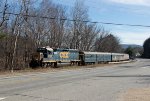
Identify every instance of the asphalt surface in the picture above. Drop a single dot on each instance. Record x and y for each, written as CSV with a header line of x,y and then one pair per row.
x,y
87,84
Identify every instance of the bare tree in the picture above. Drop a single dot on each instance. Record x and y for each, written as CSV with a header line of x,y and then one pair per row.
x,y
107,42
88,37
79,14
4,9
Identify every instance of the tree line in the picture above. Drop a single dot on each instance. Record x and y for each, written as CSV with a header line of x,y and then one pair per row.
x,y
26,25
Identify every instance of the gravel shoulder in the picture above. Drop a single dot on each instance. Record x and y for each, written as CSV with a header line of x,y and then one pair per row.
x,y
136,94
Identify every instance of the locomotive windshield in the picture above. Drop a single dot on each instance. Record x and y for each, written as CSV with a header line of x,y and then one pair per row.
x,y
47,52
43,50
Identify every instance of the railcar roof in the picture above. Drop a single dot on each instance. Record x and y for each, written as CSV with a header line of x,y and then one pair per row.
x,y
119,54
103,53
96,52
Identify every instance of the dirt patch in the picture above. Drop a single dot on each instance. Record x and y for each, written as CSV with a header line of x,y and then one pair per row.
x,y
137,94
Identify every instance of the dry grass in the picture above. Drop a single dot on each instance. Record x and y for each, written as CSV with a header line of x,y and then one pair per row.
x,y
50,69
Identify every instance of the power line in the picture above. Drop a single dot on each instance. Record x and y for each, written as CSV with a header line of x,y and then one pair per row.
x,y
105,23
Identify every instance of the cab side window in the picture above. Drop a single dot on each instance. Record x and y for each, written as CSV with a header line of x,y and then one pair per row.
x,y
49,52
45,54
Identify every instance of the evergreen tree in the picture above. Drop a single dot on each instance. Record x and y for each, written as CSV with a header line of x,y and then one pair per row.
x,y
146,48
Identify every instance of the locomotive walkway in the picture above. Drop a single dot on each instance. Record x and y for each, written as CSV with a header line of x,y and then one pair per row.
x,y
122,82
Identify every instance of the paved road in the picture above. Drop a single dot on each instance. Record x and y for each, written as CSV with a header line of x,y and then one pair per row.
x,y
107,83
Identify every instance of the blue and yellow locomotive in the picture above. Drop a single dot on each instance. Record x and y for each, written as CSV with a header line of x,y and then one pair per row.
x,y
51,56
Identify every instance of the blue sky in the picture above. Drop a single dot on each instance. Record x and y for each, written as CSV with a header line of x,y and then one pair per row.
x,y
120,11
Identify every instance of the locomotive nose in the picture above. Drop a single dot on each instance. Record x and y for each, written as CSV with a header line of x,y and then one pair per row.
x,y
36,56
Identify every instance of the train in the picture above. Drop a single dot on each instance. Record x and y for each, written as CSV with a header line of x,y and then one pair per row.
x,y
46,56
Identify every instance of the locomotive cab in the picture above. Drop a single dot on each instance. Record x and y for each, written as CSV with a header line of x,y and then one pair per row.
x,y
40,55
47,52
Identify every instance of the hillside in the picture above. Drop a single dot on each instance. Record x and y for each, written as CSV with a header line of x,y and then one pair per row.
x,y
130,45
